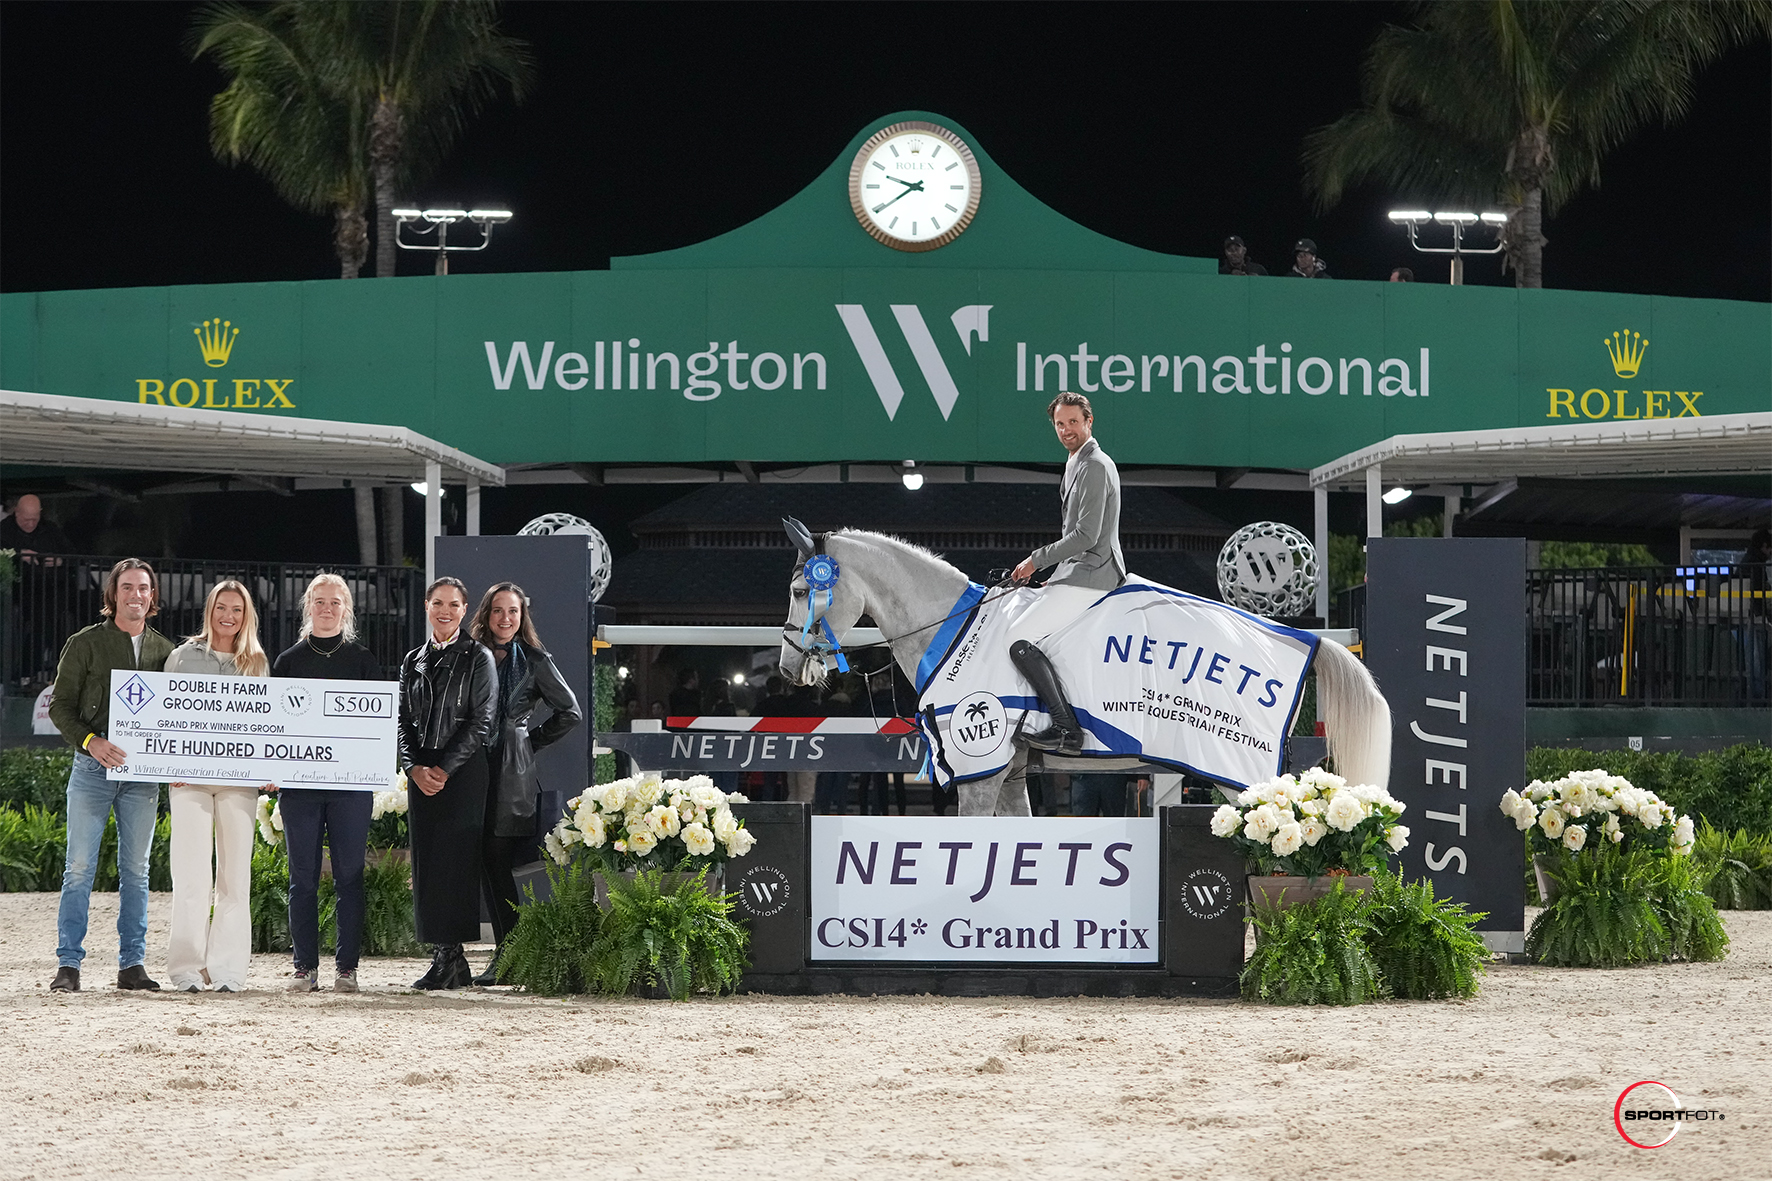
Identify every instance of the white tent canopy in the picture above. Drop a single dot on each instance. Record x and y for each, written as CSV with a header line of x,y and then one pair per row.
x,y
57,431
1714,445
1721,444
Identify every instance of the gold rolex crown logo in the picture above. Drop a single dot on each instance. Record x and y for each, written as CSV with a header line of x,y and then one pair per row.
x,y
216,339
1626,350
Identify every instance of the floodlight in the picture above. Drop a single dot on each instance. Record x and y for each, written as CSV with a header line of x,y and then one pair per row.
x,y
738,678
408,214
622,672
913,480
1397,495
483,216
1456,219
445,215
1413,217
1494,219
422,488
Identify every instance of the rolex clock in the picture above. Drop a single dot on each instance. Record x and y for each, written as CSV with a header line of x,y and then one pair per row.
x,y
914,186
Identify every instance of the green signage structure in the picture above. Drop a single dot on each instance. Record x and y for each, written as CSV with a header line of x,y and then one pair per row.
x,y
824,332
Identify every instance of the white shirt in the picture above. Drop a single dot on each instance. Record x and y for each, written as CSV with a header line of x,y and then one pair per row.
x,y
135,642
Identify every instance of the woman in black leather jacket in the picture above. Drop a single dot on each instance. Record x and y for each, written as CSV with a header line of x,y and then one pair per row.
x,y
448,702
527,678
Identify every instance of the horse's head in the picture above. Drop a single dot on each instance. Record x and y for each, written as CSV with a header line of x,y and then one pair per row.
x,y
820,597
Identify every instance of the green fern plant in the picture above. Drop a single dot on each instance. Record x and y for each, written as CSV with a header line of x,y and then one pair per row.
x,y
387,907
1425,947
549,951
270,898
1736,868
1314,954
33,843
1604,916
680,941
1694,931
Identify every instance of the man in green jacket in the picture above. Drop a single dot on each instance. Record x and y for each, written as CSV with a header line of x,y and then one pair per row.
x,y
80,709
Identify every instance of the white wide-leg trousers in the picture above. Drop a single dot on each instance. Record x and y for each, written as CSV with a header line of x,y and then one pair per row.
x,y
1056,606
211,913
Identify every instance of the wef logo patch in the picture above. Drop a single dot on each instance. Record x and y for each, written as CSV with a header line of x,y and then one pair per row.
x,y
135,694
979,724
763,891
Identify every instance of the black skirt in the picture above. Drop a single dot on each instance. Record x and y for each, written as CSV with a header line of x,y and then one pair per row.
x,y
446,837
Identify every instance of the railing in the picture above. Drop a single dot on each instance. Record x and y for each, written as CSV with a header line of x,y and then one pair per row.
x,y
50,598
1674,636
1648,636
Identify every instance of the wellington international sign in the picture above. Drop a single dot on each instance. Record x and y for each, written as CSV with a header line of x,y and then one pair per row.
x,y
800,337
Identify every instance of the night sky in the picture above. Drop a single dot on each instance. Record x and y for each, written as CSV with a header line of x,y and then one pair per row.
x,y
106,177
1198,110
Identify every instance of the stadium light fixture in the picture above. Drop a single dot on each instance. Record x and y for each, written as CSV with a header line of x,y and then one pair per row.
x,y
1397,495
1457,221
425,222
913,480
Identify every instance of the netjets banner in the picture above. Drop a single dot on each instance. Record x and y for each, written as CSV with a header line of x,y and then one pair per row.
x,y
254,730
981,890
1151,672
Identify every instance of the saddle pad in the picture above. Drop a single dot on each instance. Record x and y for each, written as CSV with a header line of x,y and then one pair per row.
x,y
1152,672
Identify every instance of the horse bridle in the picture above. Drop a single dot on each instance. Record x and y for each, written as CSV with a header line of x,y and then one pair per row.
x,y
823,644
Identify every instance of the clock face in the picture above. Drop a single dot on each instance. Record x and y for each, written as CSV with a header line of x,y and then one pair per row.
x,y
914,186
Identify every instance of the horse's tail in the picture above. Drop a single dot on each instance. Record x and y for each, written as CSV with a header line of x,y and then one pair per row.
x,y
1355,716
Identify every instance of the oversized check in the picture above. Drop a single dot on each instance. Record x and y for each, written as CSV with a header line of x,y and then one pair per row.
x,y
254,730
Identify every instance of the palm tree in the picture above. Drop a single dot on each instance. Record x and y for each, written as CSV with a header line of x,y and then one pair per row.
x,y
1518,101
279,115
419,68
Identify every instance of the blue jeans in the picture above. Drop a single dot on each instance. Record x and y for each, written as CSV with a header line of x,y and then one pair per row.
x,y
91,800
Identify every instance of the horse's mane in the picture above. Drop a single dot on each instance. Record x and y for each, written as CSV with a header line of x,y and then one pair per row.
x,y
899,544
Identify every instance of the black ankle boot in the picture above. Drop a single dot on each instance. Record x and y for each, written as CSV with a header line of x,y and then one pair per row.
x,y
490,975
456,973
1064,736
433,977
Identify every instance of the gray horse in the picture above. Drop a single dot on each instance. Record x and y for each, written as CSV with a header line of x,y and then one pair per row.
x,y
908,591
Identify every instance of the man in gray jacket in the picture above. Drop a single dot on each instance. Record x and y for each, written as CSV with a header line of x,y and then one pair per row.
x,y
1089,565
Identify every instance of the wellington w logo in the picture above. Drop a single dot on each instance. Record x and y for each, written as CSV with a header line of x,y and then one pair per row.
x,y
1206,894
763,891
973,320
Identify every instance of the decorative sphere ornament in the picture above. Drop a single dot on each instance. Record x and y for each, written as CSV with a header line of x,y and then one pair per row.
x,y
1269,569
567,525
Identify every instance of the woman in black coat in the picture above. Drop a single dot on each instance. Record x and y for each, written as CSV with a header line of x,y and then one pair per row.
x,y
527,678
448,691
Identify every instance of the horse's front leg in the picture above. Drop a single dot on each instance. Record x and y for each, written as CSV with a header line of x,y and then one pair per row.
x,y
979,798
1012,790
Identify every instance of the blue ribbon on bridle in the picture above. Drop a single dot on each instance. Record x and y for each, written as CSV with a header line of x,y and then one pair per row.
x,y
821,573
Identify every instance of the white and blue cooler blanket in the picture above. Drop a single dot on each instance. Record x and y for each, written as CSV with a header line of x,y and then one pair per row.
x,y
1151,672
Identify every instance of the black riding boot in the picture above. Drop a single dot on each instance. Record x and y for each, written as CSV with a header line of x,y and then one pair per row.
x,y
1064,736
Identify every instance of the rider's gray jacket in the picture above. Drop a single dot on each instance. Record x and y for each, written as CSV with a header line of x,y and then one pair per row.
x,y
1088,554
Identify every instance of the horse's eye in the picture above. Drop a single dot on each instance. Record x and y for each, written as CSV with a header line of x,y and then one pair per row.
x,y
799,592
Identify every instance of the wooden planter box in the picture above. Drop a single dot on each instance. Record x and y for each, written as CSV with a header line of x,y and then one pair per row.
x,y
1268,894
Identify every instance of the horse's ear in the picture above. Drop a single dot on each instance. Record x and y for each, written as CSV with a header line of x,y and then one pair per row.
x,y
800,536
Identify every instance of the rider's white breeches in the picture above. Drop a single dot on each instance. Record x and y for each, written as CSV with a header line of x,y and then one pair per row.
x,y
1056,606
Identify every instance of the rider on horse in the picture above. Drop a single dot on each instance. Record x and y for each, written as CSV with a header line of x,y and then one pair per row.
x,y
1089,565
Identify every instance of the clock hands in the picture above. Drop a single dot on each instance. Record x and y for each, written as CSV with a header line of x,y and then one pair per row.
x,y
907,184
909,189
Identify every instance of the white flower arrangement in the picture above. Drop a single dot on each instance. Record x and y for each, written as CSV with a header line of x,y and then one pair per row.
x,y
270,821
1617,814
1314,824
645,822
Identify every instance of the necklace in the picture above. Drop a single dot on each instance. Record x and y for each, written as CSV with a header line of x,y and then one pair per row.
x,y
323,651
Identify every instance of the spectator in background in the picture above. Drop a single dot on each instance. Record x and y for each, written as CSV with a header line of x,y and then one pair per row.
x,y
686,697
29,532
774,705
1305,263
1098,795
719,705
81,710
1402,275
1236,259
803,702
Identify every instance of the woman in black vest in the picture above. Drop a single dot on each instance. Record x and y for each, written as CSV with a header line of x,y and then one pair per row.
x,y
448,688
527,678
